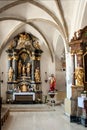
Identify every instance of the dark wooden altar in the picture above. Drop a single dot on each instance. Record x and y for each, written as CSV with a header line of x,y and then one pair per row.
x,y
24,55
78,47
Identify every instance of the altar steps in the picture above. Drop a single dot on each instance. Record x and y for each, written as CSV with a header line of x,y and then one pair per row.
x,y
4,114
29,108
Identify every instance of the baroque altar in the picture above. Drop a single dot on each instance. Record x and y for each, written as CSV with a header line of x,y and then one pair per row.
x,y
78,45
24,76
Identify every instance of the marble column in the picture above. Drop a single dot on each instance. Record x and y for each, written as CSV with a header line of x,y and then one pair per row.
x,y
15,65
38,63
33,67
9,61
73,62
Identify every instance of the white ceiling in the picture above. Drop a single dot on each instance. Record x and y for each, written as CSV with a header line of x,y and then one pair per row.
x,y
52,21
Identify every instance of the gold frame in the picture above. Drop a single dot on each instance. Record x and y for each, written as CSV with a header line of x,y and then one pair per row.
x,y
84,66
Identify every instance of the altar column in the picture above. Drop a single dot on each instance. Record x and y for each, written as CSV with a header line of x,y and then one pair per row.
x,y
9,65
37,64
9,61
15,58
73,62
33,66
80,58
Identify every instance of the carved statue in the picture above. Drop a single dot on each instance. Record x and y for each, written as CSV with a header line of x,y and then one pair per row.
x,y
28,69
12,43
19,67
10,74
37,75
23,70
36,45
77,35
22,39
79,74
24,56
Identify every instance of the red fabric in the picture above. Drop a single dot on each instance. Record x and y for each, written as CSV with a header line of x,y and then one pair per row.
x,y
52,84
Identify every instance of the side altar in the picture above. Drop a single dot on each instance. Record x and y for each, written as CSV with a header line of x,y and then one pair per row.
x,y
78,47
24,78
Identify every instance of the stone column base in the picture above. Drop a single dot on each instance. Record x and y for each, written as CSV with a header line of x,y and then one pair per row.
x,y
67,103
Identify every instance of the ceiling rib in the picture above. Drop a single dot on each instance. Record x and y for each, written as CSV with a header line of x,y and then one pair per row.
x,y
58,2
4,43
44,39
38,5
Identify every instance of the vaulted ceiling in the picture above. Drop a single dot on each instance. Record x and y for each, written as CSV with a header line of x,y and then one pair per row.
x,y
53,22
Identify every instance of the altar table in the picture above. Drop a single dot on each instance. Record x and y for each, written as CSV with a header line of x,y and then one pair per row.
x,y
22,94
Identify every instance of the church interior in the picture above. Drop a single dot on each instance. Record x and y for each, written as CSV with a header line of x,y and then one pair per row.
x,y
43,64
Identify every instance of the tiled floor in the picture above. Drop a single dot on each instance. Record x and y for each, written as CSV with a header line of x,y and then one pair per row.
x,y
50,120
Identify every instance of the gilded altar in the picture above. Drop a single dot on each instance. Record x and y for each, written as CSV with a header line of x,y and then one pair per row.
x,y
78,47
24,54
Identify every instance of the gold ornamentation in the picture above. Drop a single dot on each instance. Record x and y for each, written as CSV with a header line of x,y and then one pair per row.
x,y
19,67
72,52
79,75
79,57
15,57
23,70
10,74
36,45
37,75
37,58
11,45
33,57
9,58
33,53
24,56
23,39
24,88
25,51
28,69
79,52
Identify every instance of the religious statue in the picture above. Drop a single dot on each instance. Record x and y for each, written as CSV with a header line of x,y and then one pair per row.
x,y
10,74
52,82
37,75
11,45
22,40
77,35
19,67
28,69
36,45
79,75
23,70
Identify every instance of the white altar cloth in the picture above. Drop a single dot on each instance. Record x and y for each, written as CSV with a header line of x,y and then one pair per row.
x,y
23,93
81,102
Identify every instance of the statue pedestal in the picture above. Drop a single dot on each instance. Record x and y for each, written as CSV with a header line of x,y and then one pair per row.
x,y
52,97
